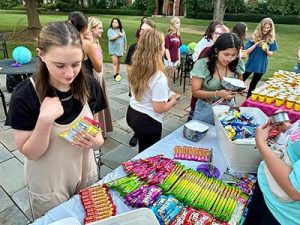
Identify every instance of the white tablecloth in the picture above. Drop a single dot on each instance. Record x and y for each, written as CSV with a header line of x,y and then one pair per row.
x,y
73,207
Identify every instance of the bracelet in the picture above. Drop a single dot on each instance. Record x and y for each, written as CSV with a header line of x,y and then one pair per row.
x,y
215,93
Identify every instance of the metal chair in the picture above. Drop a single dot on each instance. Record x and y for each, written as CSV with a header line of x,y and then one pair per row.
x,y
3,49
185,69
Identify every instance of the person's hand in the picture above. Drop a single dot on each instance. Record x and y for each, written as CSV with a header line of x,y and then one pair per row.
x,y
121,34
85,141
226,94
51,109
173,99
262,132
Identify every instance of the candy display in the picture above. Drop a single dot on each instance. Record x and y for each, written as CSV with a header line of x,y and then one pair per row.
x,y
153,169
97,203
237,125
193,153
81,124
209,200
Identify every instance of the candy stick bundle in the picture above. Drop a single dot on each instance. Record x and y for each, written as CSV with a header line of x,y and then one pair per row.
x,y
97,203
125,185
193,153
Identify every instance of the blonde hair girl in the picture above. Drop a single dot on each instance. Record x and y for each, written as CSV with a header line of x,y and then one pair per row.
x,y
172,45
141,73
96,29
259,48
259,33
149,88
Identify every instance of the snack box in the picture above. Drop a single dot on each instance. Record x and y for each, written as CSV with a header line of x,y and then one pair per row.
x,y
240,157
141,216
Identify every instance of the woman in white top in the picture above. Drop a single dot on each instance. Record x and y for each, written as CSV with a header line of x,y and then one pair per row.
x,y
149,88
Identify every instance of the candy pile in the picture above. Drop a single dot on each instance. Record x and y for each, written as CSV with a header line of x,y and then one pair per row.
x,y
193,153
237,125
153,169
125,185
144,196
190,216
97,203
201,192
166,208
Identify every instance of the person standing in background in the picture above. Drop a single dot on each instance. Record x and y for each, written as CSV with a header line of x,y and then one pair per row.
x,y
172,46
91,60
117,46
240,29
146,24
297,66
149,88
261,46
95,27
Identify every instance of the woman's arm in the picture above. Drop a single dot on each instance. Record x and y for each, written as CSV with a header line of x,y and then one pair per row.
x,y
91,52
279,170
162,107
250,49
202,94
168,56
33,144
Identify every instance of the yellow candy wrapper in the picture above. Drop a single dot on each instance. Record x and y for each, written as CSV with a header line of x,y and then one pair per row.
x,y
77,127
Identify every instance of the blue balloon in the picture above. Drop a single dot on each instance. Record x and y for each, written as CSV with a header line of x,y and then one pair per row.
x,y
21,55
184,49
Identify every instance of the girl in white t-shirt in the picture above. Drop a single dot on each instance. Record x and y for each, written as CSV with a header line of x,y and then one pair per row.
x,y
149,87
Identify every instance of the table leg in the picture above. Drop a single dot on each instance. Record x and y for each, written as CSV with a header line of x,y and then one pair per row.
x,y
3,102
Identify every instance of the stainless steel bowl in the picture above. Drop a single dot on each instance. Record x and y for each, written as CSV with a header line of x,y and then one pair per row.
x,y
279,117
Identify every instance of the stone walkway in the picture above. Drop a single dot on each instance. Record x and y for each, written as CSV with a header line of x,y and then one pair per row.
x,y
14,207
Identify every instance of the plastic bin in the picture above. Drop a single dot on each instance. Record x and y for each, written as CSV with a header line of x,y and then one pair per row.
x,y
142,216
240,157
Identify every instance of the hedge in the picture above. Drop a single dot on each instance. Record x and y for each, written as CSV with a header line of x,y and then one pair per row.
x,y
250,17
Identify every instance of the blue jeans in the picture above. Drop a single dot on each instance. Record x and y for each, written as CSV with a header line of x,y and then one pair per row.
x,y
204,112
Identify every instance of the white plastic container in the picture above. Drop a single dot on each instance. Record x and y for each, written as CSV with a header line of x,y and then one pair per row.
x,y
240,157
142,216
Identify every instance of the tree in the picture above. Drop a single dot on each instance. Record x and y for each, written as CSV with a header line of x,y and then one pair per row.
x,y
219,10
32,15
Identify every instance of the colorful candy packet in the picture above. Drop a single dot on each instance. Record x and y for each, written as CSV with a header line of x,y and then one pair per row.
x,y
81,124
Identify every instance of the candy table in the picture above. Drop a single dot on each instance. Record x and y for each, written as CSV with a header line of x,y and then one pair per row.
x,y
73,207
269,109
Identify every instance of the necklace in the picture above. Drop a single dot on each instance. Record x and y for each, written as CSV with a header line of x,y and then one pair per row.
x,y
219,72
66,98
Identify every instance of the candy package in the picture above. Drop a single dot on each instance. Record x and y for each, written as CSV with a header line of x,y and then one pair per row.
x,y
81,124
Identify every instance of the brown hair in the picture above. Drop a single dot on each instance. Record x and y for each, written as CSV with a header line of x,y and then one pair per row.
x,y
59,34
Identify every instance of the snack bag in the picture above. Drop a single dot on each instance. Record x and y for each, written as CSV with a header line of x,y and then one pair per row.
x,y
82,124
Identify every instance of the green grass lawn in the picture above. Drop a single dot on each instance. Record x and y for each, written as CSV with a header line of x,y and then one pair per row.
x,y
191,30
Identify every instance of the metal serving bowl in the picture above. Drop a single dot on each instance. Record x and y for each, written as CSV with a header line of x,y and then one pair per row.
x,y
279,117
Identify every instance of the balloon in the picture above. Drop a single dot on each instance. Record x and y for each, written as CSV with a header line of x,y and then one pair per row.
x,y
184,49
192,46
21,55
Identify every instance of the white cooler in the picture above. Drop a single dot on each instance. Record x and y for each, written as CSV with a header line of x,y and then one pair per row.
x,y
240,157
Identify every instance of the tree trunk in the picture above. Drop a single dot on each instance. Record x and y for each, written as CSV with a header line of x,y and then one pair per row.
x,y
32,15
219,10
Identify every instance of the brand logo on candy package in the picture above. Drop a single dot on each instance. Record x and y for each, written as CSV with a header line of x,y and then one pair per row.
x,y
295,136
